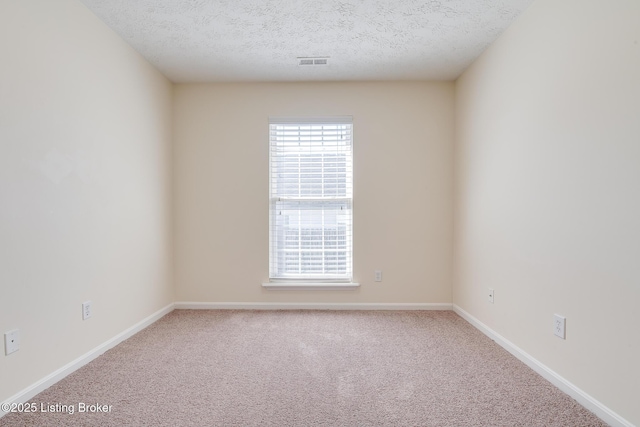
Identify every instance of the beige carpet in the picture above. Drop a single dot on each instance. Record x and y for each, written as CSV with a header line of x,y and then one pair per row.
x,y
308,368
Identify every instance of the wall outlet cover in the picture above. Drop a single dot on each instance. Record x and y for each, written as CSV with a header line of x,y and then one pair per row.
x,y
559,325
377,275
86,310
11,341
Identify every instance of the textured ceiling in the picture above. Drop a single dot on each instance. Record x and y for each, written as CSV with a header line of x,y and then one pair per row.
x,y
259,40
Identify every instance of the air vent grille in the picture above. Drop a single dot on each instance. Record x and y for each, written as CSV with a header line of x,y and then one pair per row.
x,y
313,61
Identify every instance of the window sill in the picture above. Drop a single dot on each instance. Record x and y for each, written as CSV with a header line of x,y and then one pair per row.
x,y
310,286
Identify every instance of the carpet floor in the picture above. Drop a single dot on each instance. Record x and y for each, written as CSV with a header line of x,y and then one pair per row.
x,y
306,368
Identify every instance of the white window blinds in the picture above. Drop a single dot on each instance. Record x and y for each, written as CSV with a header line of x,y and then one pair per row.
x,y
311,192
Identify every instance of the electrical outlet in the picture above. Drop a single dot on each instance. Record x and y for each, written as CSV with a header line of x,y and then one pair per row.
x,y
11,341
377,275
86,310
559,324
491,295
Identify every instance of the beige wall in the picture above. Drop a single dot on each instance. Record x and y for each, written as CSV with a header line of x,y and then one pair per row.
x,y
403,137
84,186
547,192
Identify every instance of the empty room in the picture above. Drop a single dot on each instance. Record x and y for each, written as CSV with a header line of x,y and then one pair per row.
x,y
340,213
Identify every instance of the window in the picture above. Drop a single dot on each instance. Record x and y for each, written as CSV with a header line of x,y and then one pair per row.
x,y
311,193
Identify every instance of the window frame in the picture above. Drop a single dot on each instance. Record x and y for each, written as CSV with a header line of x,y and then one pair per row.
x,y
300,282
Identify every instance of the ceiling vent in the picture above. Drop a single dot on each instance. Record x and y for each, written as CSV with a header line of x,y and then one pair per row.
x,y
313,61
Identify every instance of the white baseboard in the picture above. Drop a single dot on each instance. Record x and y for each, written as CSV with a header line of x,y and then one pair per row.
x,y
593,405
29,392
307,306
